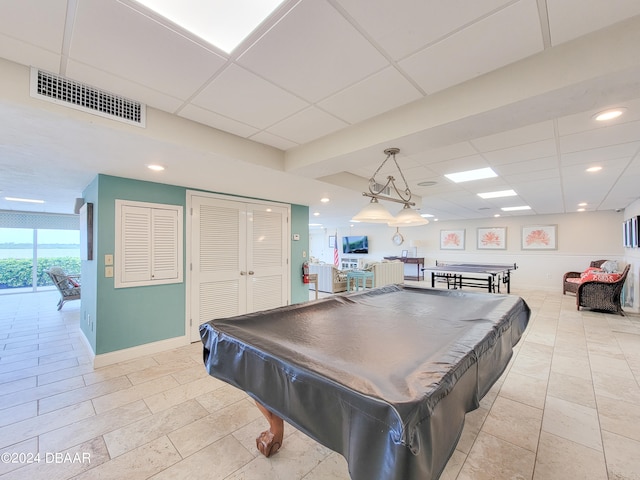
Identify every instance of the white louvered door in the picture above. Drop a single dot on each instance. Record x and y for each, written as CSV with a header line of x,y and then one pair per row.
x,y
239,259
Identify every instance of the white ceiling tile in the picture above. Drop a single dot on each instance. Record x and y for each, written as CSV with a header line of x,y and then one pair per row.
x,y
436,155
462,164
512,138
37,23
306,126
377,94
273,140
497,40
27,54
510,170
520,153
569,19
142,51
212,119
600,154
402,27
247,98
119,86
601,137
313,52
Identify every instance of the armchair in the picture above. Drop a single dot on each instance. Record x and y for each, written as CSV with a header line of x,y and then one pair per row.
x,y
602,295
571,280
67,285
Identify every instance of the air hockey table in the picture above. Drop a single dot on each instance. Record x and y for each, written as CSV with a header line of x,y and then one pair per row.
x,y
383,376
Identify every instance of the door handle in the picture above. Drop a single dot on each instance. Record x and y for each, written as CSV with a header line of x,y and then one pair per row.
x,y
251,272
243,273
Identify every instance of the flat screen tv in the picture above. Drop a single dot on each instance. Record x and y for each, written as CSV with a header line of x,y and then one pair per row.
x,y
358,244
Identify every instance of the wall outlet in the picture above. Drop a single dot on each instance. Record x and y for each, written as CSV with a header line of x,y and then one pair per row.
x,y
108,272
108,259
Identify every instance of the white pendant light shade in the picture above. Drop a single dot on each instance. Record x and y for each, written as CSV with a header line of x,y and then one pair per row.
x,y
374,213
408,217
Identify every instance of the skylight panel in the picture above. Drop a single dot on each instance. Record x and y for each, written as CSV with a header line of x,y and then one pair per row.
x,y
469,175
222,23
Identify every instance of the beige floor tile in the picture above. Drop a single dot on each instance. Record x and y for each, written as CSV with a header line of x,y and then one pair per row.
x,y
619,417
70,435
197,435
563,459
524,389
181,393
33,426
63,373
334,467
571,365
532,366
138,464
118,370
36,393
133,393
619,388
214,462
55,402
572,421
158,371
610,366
454,465
293,462
494,459
514,422
18,413
62,465
623,461
221,397
152,427
18,385
572,389
18,455
472,424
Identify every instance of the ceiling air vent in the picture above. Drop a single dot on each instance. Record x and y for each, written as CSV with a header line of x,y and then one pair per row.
x,y
62,91
378,188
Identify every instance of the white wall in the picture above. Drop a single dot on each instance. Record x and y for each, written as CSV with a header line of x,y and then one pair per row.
x,y
582,237
632,257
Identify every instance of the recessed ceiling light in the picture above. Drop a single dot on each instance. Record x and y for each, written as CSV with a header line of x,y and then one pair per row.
x,y
513,209
155,167
429,183
316,214
325,200
582,204
501,193
609,114
26,200
315,224
594,169
477,174
581,209
497,215
426,215
222,24
435,219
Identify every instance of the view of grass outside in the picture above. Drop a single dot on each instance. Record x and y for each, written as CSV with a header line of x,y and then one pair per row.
x,y
23,248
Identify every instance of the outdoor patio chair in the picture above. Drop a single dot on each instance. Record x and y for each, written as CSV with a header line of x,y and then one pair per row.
x,y
68,285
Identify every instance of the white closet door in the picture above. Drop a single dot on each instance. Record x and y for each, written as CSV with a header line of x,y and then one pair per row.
x,y
219,269
266,257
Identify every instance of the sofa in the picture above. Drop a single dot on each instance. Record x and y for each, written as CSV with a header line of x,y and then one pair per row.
x,y
385,273
330,278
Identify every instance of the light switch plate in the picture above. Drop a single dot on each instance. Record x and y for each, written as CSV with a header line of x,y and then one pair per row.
x,y
108,259
108,272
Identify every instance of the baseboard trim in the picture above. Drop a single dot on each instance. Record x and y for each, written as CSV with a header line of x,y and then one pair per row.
x,y
125,354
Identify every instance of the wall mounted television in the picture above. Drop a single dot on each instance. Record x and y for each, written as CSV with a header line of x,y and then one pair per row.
x,y
359,244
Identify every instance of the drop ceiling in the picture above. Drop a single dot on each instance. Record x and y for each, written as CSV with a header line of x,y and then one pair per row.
x,y
305,106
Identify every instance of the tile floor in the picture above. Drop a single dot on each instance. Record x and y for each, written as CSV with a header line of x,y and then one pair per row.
x,y
566,408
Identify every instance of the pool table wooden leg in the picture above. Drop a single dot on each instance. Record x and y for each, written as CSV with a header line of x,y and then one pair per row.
x,y
270,441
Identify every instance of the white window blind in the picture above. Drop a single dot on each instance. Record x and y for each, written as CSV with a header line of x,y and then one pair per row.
x,y
148,244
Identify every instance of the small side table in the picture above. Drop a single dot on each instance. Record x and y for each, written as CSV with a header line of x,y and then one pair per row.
x,y
357,276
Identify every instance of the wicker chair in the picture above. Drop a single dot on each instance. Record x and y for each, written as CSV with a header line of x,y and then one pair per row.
x,y
604,296
569,286
67,285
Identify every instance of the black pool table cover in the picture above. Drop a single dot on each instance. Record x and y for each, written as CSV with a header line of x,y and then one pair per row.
x,y
383,376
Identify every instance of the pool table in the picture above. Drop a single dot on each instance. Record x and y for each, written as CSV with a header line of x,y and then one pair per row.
x,y
383,376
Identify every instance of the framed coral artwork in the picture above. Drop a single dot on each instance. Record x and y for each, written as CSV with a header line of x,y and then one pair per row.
x,y
492,238
540,237
452,239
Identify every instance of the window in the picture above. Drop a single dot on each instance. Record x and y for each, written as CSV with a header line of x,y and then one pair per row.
x,y
148,244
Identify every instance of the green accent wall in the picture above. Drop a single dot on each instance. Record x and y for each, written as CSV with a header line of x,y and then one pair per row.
x,y
299,226
117,318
